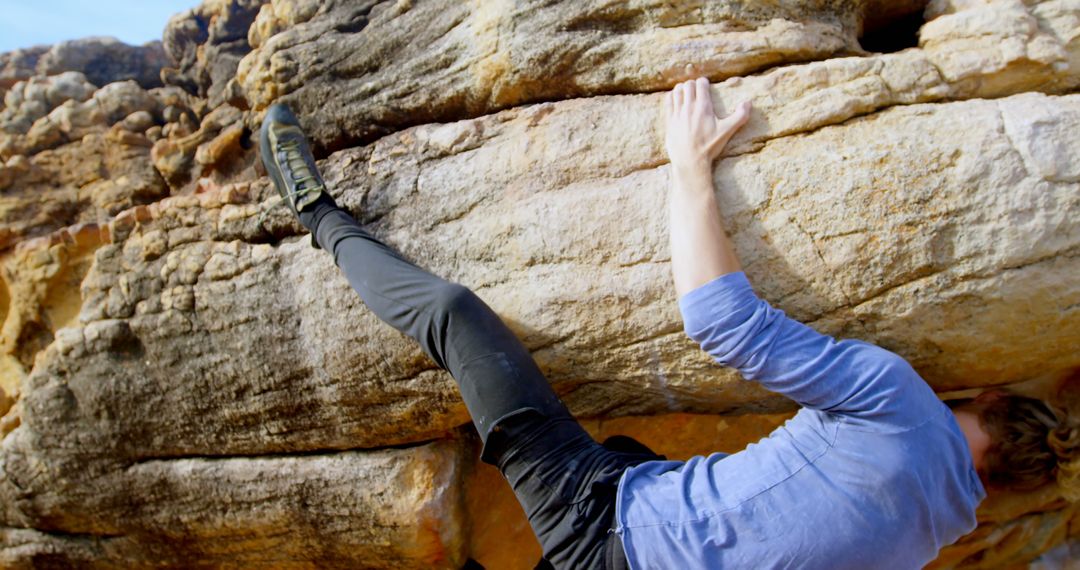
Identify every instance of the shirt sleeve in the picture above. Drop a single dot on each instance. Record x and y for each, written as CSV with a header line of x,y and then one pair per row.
x,y
848,377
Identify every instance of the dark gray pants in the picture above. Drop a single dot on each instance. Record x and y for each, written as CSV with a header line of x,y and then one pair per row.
x,y
564,479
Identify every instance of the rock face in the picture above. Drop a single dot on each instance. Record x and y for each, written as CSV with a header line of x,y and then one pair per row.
x,y
387,508
186,381
103,60
74,153
206,44
467,59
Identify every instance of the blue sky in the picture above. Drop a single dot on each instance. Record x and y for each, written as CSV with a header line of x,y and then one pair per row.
x,y
25,23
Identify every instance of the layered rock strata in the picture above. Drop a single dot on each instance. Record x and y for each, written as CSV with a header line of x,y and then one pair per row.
x,y
389,509
398,64
187,382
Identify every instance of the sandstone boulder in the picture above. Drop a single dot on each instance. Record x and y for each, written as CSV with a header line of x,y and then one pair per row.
x,y
390,509
206,44
452,59
41,281
89,180
185,382
45,113
31,100
122,98
562,236
74,153
19,65
102,59
214,151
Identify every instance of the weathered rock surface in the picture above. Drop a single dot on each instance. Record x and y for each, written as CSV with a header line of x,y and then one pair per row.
x,y
957,226
41,295
398,64
205,45
102,59
390,509
20,64
403,63
203,155
184,386
75,153
33,99
90,180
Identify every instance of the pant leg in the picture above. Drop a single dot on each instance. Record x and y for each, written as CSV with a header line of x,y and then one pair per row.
x,y
563,478
494,371
567,483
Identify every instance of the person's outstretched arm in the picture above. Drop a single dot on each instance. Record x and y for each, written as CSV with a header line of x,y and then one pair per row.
x,y
721,312
700,248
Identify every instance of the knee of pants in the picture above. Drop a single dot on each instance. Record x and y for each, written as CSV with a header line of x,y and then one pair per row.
x,y
452,300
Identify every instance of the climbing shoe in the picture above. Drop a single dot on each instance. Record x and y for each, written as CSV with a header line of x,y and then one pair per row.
x,y
287,158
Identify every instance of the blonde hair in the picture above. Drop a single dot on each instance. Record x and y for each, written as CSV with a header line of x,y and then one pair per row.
x,y
1032,445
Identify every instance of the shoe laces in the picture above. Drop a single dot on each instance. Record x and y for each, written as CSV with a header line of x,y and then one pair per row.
x,y
299,170
301,174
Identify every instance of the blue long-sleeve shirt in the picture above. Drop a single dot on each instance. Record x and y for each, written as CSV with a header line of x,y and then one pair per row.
x,y
873,472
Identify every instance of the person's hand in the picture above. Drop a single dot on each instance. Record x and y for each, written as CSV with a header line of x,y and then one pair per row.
x,y
695,136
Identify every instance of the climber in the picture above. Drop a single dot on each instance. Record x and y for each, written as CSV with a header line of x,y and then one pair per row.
x,y
874,471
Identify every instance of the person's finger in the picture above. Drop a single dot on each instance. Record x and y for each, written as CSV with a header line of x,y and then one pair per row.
x,y
703,95
677,98
738,117
730,125
689,96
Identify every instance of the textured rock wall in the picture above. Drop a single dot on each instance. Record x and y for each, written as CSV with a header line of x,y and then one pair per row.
x,y
184,384
102,60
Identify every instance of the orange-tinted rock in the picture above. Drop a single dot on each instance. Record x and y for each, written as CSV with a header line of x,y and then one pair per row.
x,y
41,282
389,509
208,403
501,536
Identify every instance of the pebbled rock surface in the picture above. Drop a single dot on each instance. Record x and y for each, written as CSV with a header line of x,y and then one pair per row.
x,y
106,170
183,384
102,59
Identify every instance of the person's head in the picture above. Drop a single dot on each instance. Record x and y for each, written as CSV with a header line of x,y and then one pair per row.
x,y
1031,443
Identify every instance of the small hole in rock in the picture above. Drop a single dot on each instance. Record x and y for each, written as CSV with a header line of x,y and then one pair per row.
x,y
892,35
